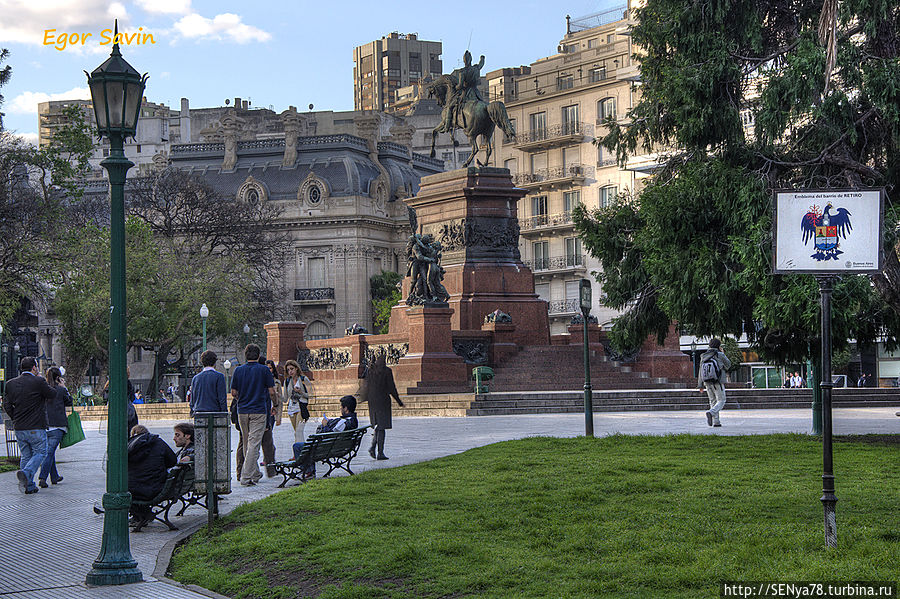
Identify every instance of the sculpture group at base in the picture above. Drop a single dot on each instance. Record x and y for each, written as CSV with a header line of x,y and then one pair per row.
x,y
423,256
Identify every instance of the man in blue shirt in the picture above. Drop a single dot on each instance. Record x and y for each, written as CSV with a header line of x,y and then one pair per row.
x,y
208,386
253,388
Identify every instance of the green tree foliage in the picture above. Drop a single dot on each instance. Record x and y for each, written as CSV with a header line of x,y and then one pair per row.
x,y
385,295
695,245
5,74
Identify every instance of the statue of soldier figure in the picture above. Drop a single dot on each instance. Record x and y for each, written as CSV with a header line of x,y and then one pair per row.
x,y
464,108
423,255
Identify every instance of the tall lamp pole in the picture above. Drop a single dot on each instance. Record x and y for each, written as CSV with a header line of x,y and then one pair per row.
x,y
584,294
16,349
828,497
246,334
2,362
227,365
204,314
116,92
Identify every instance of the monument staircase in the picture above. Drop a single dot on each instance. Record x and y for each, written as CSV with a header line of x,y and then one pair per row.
x,y
561,367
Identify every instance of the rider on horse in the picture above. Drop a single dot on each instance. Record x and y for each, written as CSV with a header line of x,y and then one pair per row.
x,y
465,88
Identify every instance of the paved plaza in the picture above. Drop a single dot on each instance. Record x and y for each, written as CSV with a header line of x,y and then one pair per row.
x,y
48,540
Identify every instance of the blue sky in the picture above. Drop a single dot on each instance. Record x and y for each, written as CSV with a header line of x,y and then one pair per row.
x,y
273,53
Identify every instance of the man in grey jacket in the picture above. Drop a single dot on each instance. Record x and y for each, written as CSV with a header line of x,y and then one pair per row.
x,y
713,364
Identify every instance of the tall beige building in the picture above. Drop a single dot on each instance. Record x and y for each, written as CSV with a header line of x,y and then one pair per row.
x,y
382,67
557,105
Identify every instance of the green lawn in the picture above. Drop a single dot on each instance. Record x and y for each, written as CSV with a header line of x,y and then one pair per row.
x,y
8,466
637,517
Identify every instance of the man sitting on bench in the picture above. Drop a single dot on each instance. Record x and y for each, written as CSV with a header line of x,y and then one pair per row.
x,y
345,422
149,458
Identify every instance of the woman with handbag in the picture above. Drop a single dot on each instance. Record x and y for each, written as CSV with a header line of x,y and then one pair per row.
x,y
57,424
295,394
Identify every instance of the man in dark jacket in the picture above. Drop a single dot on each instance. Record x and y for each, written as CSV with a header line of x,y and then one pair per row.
x,y
26,403
208,387
149,459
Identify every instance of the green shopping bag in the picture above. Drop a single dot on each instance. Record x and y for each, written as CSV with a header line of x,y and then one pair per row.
x,y
74,433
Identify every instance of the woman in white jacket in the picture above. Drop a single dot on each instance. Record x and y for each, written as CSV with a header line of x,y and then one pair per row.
x,y
295,393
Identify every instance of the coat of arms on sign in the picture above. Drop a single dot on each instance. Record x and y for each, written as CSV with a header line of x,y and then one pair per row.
x,y
826,230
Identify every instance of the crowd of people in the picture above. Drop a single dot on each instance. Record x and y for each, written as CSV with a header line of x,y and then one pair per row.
x,y
36,407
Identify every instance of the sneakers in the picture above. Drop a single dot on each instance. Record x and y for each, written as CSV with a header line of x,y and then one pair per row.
x,y
23,481
717,424
57,481
248,483
381,456
709,418
31,491
43,483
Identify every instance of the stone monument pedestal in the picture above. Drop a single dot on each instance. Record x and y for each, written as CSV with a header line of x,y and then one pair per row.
x,y
430,361
472,212
283,340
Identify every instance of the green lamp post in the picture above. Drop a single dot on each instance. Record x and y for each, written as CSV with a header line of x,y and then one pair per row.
x,y
116,92
2,363
246,334
584,295
204,314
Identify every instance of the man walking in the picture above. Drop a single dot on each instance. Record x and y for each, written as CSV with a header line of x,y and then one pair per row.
x,y
208,386
26,403
252,387
713,364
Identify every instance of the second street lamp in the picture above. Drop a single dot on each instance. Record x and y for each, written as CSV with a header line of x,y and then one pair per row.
x,y
116,92
204,314
584,294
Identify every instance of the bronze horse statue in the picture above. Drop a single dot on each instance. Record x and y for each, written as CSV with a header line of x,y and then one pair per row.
x,y
474,117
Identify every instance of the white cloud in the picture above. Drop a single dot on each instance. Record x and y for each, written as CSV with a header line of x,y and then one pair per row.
x,y
180,7
26,102
225,26
25,21
29,138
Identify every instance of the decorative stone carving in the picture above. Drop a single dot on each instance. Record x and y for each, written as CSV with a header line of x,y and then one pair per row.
x,y
423,256
473,351
579,319
497,316
313,191
480,235
356,329
231,125
291,133
393,352
252,191
160,161
402,134
326,358
616,356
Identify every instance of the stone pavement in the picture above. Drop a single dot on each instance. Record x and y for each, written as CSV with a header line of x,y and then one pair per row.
x,y
49,540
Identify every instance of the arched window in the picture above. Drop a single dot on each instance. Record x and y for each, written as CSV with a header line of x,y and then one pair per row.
x,y
606,108
317,330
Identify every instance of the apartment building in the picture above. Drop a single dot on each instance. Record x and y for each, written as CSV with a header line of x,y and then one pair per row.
x,y
557,106
382,67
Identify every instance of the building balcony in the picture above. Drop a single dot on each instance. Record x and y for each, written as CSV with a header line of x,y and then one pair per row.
x,y
563,308
314,295
553,136
544,222
556,177
558,265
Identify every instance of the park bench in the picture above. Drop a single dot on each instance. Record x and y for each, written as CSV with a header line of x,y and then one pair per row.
x,y
178,487
336,450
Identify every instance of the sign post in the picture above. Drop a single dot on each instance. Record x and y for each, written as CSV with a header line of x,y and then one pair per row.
x,y
827,233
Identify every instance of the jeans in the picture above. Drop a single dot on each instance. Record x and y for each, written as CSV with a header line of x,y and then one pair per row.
x,y
49,466
310,469
33,448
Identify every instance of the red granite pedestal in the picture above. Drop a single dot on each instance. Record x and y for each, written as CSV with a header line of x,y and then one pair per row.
x,y
430,361
284,340
473,214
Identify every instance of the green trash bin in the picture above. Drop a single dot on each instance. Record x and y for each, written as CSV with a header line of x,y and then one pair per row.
x,y
482,375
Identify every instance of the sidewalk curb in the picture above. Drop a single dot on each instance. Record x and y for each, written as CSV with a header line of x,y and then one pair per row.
x,y
165,556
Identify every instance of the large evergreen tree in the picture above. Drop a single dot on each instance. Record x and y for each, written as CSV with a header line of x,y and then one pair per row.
x,y
695,244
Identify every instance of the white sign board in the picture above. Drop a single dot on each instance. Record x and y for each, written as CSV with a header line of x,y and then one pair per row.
x,y
828,231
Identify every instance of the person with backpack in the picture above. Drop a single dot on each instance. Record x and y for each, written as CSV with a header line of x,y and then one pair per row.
x,y
713,364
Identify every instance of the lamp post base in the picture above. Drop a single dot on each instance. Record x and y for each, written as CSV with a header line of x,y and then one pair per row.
x,y
114,565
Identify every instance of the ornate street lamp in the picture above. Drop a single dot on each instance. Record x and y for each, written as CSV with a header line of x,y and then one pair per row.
x,y
227,365
2,362
694,355
116,92
16,349
584,295
246,334
204,314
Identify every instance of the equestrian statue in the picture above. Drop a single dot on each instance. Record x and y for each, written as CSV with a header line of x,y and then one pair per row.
x,y
464,108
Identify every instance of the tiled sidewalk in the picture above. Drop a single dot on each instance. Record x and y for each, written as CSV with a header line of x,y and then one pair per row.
x,y
49,540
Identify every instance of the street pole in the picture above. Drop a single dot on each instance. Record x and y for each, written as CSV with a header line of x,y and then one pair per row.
x,y
204,313
115,565
584,296
828,497
116,92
